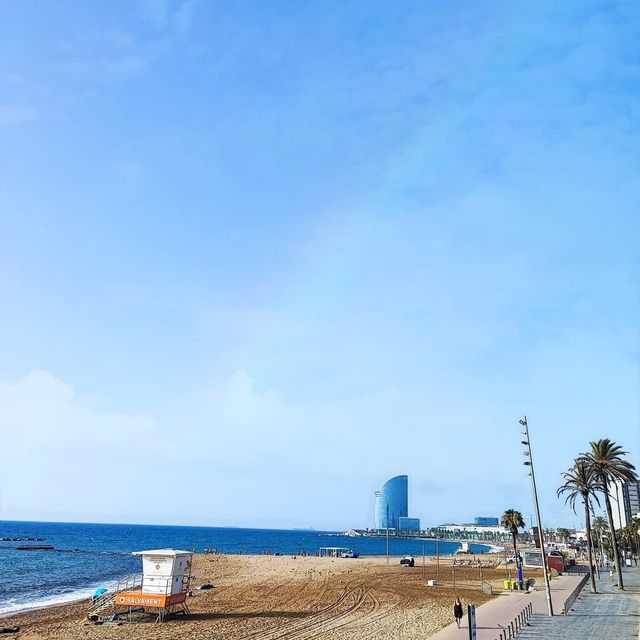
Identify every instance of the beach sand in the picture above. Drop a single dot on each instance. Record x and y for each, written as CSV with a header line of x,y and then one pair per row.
x,y
269,597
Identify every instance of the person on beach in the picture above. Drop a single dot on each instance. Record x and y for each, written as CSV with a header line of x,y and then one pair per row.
x,y
457,611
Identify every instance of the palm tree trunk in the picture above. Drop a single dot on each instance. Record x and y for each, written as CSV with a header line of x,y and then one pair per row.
x,y
587,517
614,543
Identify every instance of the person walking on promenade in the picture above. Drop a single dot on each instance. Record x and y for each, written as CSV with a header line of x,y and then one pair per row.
x,y
457,611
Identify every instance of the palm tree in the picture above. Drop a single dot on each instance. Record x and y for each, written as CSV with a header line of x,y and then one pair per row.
x,y
629,536
607,464
580,481
600,528
512,520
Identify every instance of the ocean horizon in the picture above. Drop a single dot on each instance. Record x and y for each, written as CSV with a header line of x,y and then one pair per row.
x,y
91,555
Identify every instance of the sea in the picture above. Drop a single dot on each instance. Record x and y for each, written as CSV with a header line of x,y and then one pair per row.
x,y
88,556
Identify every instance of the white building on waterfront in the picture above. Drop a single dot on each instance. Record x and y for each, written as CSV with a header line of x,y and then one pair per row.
x,y
625,502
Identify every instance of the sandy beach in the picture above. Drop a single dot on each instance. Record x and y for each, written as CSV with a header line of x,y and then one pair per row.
x,y
274,597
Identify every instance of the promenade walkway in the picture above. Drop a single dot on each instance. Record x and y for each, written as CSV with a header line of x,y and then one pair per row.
x,y
606,615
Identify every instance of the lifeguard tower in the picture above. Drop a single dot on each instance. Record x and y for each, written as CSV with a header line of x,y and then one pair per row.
x,y
162,588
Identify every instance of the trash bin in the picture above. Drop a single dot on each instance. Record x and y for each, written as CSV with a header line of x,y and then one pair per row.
x,y
507,584
520,585
513,585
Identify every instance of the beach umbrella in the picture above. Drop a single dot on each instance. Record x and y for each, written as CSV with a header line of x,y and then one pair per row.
x,y
98,592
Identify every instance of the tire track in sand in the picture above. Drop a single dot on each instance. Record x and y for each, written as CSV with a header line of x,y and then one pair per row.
x,y
355,607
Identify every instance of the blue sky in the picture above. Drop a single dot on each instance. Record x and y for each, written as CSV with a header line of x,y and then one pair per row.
x,y
267,255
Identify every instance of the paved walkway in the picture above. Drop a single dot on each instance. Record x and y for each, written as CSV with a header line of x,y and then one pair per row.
x,y
607,615
494,616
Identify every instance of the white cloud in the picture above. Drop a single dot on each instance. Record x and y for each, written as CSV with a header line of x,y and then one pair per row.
x,y
237,416
240,454
184,15
16,114
60,450
160,14
156,12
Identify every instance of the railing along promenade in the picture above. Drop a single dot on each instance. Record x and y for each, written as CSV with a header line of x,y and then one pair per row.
x,y
520,621
568,603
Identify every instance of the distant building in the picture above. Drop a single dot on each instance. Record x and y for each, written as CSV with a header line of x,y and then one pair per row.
x,y
392,503
486,522
406,525
473,532
625,502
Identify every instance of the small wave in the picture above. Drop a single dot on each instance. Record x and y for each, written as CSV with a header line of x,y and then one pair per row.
x,y
9,607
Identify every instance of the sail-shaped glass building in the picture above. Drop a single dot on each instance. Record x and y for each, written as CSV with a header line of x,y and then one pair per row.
x,y
392,502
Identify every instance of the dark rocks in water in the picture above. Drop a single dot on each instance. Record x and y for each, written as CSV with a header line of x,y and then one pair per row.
x,y
35,547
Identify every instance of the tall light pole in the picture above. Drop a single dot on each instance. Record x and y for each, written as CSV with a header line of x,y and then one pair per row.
x,y
529,463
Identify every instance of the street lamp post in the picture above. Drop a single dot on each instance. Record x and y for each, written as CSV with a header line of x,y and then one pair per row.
x,y
529,463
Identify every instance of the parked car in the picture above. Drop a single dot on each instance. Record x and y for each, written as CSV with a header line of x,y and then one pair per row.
x,y
349,554
408,561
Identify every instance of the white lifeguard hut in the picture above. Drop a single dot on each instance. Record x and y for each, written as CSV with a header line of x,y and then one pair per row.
x,y
163,586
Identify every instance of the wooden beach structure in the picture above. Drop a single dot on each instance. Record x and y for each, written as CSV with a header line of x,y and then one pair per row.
x,y
161,589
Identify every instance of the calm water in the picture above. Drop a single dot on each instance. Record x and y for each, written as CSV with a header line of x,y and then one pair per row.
x,y
92,555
